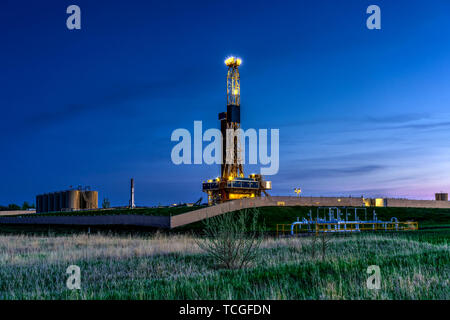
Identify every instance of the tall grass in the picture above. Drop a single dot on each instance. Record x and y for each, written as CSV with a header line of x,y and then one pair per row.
x,y
413,266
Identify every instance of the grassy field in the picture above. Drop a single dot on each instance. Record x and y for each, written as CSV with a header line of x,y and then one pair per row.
x,y
280,215
139,263
414,265
272,216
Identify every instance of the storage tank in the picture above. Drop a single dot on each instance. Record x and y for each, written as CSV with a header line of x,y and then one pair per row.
x,y
89,199
441,196
94,201
67,201
38,204
56,197
73,200
45,203
41,203
62,200
51,202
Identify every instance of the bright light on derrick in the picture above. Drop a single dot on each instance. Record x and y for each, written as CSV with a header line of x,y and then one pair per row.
x,y
233,61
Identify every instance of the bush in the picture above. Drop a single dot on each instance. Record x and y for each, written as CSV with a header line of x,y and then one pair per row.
x,y
232,239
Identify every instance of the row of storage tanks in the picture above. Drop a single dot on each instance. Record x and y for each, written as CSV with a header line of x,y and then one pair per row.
x,y
70,200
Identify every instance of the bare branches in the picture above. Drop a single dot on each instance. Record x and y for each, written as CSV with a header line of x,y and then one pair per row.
x,y
232,239
325,239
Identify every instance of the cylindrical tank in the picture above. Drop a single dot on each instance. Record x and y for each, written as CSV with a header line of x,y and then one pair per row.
x,y
38,203
441,196
67,200
56,206
87,200
91,200
41,203
51,202
62,200
73,200
45,202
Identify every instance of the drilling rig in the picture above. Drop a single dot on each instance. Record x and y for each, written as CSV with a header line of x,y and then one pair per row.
x,y
232,184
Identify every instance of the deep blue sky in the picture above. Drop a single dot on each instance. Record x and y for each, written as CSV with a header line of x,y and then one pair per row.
x,y
359,111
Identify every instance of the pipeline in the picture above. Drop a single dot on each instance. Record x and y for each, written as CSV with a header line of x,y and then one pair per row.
x,y
337,224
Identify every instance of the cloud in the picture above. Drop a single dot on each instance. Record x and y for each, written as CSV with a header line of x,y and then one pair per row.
x,y
398,118
367,123
115,97
297,174
434,125
413,121
50,116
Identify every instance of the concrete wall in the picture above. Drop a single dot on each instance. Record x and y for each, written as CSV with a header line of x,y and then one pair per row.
x,y
135,220
16,212
318,201
198,215
405,203
208,212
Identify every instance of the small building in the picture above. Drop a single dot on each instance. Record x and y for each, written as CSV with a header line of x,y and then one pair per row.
x,y
69,200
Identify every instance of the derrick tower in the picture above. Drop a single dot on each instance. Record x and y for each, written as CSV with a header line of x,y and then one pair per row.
x,y
230,122
232,184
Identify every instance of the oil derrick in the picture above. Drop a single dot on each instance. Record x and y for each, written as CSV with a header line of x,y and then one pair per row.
x,y
230,123
232,184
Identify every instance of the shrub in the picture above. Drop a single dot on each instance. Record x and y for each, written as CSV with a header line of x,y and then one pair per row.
x,y
232,239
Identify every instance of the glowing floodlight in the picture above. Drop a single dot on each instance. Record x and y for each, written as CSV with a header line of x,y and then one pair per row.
x,y
233,62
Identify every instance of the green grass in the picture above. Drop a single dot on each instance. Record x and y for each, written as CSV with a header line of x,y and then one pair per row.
x,y
137,263
286,215
66,230
414,265
272,216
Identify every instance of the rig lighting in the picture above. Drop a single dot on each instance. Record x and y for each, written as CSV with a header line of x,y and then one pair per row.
x,y
233,61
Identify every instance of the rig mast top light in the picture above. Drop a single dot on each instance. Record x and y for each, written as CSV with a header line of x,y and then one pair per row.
x,y
233,81
233,62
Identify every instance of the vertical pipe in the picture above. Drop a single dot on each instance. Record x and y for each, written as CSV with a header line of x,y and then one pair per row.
x,y
132,205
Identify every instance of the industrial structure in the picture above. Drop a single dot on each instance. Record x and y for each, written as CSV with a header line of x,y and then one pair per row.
x,y
232,184
441,196
69,200
339,220
132,205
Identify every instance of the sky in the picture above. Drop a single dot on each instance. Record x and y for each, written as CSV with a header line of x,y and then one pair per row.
x,y
360,112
